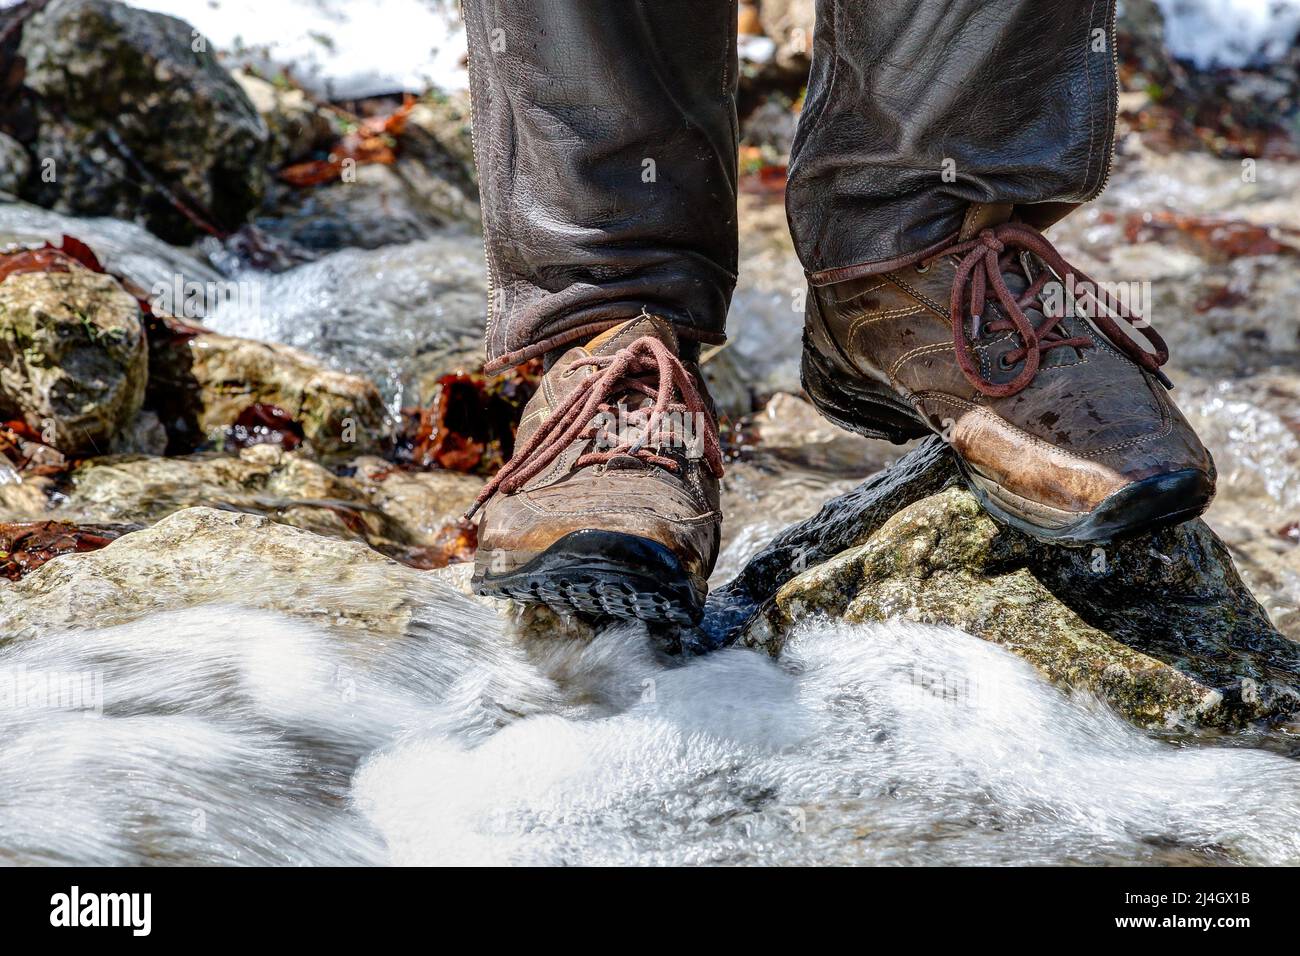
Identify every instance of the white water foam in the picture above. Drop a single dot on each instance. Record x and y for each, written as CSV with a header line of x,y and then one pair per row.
x,y
888,744
236,736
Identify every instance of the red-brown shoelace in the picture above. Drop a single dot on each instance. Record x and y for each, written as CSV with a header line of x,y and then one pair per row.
x,y
574,418
983,261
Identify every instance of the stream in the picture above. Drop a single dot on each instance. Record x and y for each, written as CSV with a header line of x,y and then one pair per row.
x,y
266,738
262,740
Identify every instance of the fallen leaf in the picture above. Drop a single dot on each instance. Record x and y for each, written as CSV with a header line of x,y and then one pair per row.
x,y
470,423
263,424
25,546
1210,238
455,543
49,258
372,140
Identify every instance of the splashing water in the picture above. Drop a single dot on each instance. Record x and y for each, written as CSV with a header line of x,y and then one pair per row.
x,y
261,739
124,248
376,312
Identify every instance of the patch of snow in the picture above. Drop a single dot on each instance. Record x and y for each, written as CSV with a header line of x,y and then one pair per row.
x,y
337,48
1232,33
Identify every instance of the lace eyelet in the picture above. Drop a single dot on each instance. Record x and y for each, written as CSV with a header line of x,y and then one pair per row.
x,y
1004,365
922,269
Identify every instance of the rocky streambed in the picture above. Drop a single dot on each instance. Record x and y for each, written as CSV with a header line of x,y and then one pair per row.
x,y
235,624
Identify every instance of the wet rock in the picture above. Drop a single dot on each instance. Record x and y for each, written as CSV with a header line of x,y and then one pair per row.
x,y
840,524
1140,32
379,208
109,78
791,463
770,127
397,315
428,186
789,23
446,118
420,503
199,385
73,359
1160,627
436,157
144,435
406,515
294,123
15,164
262,480
205,556
727,383
22,497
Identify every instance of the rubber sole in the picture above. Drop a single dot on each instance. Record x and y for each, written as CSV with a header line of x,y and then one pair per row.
x,y
598,573
1147,505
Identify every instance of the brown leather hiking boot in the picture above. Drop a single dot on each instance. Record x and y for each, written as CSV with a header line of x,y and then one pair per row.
x,y
1061,422
610,503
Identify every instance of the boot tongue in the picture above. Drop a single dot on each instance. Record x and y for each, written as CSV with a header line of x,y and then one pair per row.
x,y
987,215
623,335
983,215
620,337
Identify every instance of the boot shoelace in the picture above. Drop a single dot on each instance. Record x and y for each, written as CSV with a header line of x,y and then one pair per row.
x,y
983,261
574,418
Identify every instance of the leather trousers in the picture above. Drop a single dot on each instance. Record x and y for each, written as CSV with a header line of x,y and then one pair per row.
x,y
605,134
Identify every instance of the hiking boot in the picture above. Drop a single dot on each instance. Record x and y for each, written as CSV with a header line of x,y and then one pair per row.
x,y
609,505
1060,420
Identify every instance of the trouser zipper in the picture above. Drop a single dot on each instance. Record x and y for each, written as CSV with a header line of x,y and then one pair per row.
x,y
478,175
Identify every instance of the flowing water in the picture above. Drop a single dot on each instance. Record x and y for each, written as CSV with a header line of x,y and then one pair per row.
x,y
231,735
263,740
385,313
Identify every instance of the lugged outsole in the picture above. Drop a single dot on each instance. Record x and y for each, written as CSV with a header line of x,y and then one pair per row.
x,y
597,574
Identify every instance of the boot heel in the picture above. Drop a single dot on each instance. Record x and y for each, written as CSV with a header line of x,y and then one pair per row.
x,y
855,405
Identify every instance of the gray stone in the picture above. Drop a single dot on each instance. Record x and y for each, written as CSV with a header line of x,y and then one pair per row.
x,y
199,385
295,124
378,208
138,116
398,513
15,164
789,23
727,383
204,556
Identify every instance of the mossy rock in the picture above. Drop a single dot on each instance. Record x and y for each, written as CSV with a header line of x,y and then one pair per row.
x,y
1161,627
73,358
